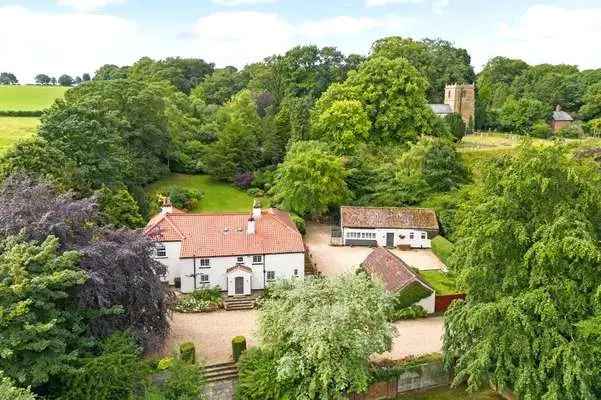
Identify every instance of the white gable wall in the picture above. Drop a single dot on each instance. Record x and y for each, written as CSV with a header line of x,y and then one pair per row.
x,y
171,260
401,236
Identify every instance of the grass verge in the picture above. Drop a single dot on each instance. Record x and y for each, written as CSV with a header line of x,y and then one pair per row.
x,y
443,283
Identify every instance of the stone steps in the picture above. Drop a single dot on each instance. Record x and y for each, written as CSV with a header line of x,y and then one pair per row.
x,y
221,372
238,303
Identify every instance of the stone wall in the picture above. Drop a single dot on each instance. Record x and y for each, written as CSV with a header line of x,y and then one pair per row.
x,y
220,390
417,377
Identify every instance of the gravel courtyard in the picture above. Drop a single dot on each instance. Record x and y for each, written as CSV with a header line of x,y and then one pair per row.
x,y
212,334
336,260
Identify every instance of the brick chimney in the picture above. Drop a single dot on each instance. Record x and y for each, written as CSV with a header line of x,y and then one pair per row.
x,y
256,212
251,226
166,207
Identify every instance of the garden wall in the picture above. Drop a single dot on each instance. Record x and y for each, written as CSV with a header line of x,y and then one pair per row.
x,y
442,302
415,377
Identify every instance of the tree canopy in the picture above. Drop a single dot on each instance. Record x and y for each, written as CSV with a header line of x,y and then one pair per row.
x,y
322,332
391,92
310,179
528,257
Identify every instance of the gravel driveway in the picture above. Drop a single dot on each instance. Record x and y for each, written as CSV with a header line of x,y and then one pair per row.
x,y
336,260
212,334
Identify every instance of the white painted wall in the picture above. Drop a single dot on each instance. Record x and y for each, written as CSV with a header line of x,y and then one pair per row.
x,y
171,260
284,266
428,303
416,242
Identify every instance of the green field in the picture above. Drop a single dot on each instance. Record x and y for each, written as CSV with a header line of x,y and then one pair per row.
x,y
450,394
218,196
443,283
13,129
29,97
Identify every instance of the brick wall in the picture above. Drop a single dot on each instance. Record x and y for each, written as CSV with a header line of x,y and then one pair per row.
x,y
418,377
442,302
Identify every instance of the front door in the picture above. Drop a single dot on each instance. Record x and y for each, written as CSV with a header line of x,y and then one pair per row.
x,y
390,240
239,285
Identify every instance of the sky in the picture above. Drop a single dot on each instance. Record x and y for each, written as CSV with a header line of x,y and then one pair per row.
x,y
77,36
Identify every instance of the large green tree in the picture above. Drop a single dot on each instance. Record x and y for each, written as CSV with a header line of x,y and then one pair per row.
x,y
520,115
310,179
592,102
114,131
40,324
392,93
322,333
221,85
437,60
183,73
237,147
344,124
529,260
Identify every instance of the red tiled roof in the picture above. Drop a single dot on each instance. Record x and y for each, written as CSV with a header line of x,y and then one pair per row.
x,y
213,235
388,217
390,269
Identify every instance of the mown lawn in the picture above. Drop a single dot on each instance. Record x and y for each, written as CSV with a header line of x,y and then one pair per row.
x,y
29,97
218,196
443,283
450,394
13,129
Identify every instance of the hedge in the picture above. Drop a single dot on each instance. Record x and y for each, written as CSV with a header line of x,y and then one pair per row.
x,y
238,346
410,295
20,113
187,352
442,248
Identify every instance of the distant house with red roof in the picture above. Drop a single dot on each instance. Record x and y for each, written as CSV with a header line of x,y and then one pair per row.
x,y
239,252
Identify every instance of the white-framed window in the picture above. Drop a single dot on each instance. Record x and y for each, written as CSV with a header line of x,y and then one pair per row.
x,y
257,259
205,262
271,275
411,235
240,259
160,250
204,278
424,235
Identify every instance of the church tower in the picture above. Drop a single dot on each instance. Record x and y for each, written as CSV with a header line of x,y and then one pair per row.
x,y
462,100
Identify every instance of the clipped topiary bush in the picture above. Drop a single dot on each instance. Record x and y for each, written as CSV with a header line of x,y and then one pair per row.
x,y
187,352
238,346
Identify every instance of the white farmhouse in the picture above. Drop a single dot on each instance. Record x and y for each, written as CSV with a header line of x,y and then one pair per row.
x,y
388,226
239,252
